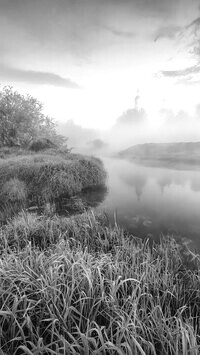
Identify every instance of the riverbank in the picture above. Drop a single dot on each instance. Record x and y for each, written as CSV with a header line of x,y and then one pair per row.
x,y
35,179
166,154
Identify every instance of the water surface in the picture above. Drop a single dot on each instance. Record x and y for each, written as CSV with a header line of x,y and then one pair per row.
x,y
149,201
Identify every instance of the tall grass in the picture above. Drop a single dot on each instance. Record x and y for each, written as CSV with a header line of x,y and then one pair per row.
x,y
91,289
44,177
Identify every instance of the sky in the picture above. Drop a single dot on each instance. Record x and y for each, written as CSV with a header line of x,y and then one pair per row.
x,y
86,60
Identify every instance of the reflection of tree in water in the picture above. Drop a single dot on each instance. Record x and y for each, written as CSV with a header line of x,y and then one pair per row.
x,y
164,181
167,181
195,184
136,180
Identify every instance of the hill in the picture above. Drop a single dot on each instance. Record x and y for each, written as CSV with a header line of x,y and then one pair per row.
x,y
181,152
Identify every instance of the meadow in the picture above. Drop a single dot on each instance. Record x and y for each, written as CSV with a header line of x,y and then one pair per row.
x,y
76,284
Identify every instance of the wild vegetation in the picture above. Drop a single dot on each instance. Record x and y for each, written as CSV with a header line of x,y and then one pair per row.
x,y
36,179
77,285
22,120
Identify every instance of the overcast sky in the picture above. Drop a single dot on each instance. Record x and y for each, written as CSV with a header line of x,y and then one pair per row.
x,y
87,59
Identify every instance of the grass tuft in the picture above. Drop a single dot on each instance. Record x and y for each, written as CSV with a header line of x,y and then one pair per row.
x,y
14,190
44,177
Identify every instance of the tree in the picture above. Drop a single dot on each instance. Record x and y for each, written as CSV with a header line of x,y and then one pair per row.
x,y
22,120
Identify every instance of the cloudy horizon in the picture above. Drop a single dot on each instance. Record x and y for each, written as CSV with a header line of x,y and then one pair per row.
x,y
87,59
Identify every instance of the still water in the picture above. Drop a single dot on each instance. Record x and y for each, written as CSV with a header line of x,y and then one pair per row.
x,y
150,201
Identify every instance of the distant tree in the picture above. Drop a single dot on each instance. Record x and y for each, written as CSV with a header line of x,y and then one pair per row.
x,y
22,120
97,144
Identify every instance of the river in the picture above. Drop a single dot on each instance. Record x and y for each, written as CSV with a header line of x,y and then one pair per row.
x,y
151,201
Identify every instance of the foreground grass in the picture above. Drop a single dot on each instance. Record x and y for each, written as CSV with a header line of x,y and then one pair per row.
x,y
76,286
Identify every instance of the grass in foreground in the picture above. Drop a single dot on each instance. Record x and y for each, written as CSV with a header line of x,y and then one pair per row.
x,y
76,286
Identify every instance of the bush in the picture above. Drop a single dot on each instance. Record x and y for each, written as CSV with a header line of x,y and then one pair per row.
x,y
41,144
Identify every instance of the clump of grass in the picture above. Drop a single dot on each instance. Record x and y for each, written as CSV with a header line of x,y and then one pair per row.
x,y
14,190
7,152
95,290
47,229
13,197
50,175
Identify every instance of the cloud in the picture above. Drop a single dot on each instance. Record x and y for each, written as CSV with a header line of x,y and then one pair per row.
x,y
187,39
149,7
195,23
169,32
35,77
120,33
71,33
189,81
195,69
74,23
187,76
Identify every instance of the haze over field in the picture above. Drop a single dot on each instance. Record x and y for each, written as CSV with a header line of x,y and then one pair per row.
x,y
119,71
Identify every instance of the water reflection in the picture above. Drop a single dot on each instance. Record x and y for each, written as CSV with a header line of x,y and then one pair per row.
x,y
154,200
135,179
163,182
93,197
195,184
90,197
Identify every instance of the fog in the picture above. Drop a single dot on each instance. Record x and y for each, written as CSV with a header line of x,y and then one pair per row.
x,y
164,126
134,126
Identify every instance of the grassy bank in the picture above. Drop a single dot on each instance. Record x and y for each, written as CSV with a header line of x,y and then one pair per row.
x,y
181,153
38,178
76,286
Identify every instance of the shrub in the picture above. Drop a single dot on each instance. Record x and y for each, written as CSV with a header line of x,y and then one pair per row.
x,y
41,144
